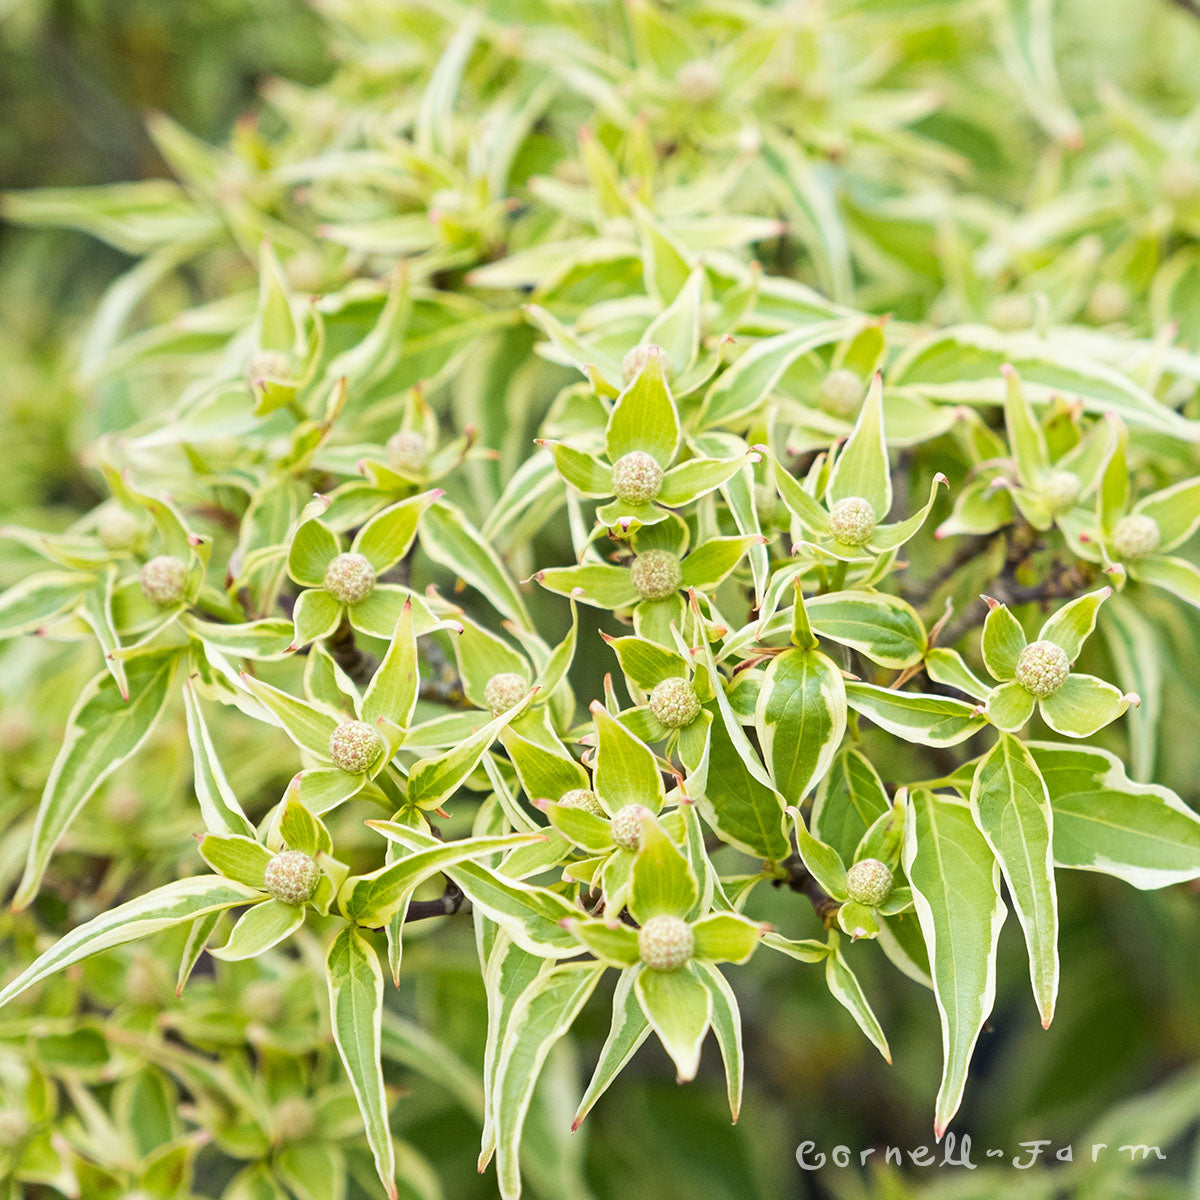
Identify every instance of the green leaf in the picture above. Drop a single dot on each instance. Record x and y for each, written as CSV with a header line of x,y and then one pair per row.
x,y
679,1008
261,927
313,546
727,1025
925,720
646,662
392,692
1175,575
584,472
176,903
1175,510
1071,626
695,478
375,898
219,805
385,539
316,615
884,628
450,539
1104,821
711,562
103,731
1012,809
742,388
800,717
615,944
598,584
862,467
356,1014
626,771
726,937
1083,705
546,1010
822,861
849,800
34,601
644,416
1025,435
1003,641
308,726
629,1029
956,887
237,857
1010,706
663,882
545,773
844,987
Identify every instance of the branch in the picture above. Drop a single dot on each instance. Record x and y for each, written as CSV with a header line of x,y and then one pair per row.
x,y
800,879
447,904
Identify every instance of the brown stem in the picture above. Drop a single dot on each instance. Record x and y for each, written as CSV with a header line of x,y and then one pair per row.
x,y
801,880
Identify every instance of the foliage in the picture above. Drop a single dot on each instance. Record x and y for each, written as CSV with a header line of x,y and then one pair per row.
x,y
535,517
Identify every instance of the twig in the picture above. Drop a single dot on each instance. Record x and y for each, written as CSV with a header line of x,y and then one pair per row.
x,y
447,904
801,880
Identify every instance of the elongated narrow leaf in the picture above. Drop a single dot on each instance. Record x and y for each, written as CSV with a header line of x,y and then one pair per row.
x,y
356,1014
884,628
727,1025
103,731
173,904
1104,821
955,881
545,1011
1011,808
450,539
800,718
628,1031
219,806
926,720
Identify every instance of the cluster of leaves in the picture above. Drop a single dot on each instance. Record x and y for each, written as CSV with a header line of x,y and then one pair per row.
x,y
541,368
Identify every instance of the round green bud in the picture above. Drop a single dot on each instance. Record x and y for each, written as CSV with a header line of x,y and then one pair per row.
x,y
869,882
268,364
407,451
504,691
852,521
293,1119
583,798
14,1128
164,580
354,746
639,356
674,702
1135,536
1011,312
1042,668
1108,302
698,82
626,826
637,477
349,578
666,943
841,393
1061,490
117,528
656,574
292,877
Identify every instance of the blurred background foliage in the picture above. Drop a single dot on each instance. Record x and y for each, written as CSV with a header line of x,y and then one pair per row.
x,y
926,98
